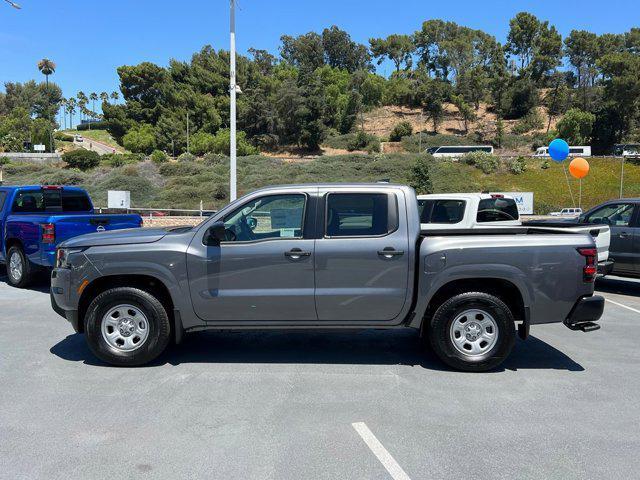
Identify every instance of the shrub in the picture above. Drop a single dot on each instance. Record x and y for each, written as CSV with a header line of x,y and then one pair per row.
x,y
181,169
222,143
202,142
158,157
62,137
421,175
63,177
120,159
215,158
531,121
486,162
81,159
545,165
4,161
402,129
518,165
186,157
364,141
140,139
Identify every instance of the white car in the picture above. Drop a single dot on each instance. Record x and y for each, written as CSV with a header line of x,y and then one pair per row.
x,y
489,211
567,212
466,210
78,138
579,151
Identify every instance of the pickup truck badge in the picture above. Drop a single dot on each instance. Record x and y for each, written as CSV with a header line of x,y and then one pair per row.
x,y
100,228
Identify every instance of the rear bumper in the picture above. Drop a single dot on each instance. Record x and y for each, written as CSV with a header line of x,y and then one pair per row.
x,y
585,313
605,267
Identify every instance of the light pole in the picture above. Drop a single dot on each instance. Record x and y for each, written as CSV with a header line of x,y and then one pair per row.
x,y
232,103
13,4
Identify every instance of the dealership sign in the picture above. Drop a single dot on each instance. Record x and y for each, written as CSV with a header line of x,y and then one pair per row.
x,y
524,201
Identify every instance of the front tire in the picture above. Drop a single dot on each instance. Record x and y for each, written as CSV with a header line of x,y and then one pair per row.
x,y
127,326
19,269
473,332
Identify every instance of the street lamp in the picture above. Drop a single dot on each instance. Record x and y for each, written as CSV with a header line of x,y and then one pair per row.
x,y
13,4
232,104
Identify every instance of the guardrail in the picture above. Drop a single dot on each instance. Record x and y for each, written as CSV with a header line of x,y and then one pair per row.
x,y
153,212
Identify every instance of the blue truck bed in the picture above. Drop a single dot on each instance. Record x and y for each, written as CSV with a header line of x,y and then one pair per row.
x,y
35,219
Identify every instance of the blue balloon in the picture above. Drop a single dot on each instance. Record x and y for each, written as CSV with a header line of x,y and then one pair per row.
x,y
558,150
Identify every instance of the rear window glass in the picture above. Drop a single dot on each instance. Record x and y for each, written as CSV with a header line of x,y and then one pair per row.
x,y
497,210
441,211
357,214
34,201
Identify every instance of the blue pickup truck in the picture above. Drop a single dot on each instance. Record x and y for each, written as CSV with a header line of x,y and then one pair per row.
x,y
34,219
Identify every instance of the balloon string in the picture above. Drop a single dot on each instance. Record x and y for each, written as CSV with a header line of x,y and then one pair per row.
x,y
569,185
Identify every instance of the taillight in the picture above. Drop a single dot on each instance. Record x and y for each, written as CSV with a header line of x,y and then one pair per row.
x,y
48,233
590,270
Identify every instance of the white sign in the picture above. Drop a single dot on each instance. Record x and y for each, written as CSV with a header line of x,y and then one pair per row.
x,y
524,201
39,148
118,199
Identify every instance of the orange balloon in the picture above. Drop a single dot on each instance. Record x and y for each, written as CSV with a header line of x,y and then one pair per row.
x,y
578,168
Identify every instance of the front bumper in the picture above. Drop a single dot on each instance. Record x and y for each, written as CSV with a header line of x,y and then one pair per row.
x,y
59,293
585,313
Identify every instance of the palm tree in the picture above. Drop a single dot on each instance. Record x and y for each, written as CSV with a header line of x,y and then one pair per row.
x,y
93,97
71,109
104,96
82,102
115,96
46,67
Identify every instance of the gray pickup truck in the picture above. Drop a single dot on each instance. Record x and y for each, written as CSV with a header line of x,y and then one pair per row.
x,y
325,257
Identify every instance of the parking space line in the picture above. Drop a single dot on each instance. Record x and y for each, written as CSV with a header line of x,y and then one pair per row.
x,y
395,470
623,306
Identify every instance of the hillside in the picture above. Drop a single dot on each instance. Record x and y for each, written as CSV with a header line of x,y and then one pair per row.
x,y
183,185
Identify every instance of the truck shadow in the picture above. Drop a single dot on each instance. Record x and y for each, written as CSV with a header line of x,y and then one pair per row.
x,y
41,283
621,286
371,347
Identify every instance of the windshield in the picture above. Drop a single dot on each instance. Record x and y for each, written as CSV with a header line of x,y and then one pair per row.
x,y
497,209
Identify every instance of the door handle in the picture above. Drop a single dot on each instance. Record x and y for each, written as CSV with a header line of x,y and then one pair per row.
x,y
390,252
623,235
296,253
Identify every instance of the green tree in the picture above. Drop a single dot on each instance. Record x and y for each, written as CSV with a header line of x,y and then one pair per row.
x,y
523,30
305,51
47,67
420,178
342,52
466,111
576,127
202,142
140,139
582,49
115,96
397,48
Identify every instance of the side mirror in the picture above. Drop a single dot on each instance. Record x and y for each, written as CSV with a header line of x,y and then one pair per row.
x,y
215,234
252,223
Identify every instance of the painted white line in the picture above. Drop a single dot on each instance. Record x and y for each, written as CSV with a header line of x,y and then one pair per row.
x,y
623,306
395,470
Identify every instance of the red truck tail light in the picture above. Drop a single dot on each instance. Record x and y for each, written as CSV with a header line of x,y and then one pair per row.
x,y
590,270
48,233
52,187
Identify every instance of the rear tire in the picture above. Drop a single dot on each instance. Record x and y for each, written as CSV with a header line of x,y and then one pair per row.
x,y
19,268
473,332
127,327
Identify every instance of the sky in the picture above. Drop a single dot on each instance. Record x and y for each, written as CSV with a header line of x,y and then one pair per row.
x,y
89,39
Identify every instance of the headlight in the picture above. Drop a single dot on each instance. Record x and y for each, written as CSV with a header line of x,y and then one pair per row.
x,y
63,256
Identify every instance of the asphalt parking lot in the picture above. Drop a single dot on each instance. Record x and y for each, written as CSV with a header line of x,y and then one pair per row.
x,y
366,405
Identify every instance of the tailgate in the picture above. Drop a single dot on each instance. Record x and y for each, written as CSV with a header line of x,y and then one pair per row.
x,y
601,234
70,226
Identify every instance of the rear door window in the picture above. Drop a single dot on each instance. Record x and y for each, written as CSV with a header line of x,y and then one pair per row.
x,y
360,214
36,201
3,195
497,209
75,201
448,211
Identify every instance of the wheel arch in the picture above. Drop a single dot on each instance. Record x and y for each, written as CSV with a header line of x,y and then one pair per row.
x,y
148,283
505,290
